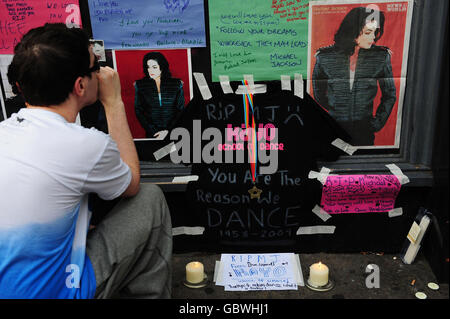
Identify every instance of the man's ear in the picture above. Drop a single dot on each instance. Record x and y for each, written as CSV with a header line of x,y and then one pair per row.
x,y
79,87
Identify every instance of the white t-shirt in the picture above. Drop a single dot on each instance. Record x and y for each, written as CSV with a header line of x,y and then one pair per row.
x,y
47,168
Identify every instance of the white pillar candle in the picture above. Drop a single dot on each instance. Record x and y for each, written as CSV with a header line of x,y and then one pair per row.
x,y
318,274
195,272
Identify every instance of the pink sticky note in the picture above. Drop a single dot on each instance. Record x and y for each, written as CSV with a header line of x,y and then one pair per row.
x,y
360,193
17,17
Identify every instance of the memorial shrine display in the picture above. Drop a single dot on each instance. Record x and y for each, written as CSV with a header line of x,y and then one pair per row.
x,y
252,144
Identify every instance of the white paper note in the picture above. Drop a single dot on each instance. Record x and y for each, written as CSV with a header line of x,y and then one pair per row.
x,y
248,272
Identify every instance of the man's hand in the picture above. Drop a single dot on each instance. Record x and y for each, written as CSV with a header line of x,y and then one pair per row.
x,y
109,87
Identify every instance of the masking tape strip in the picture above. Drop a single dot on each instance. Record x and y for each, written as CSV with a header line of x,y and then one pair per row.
x,y
298,274
344,146
402,178
249,79
225,84
395,212
169,148
251,88
316,175
313,175
324,172
185,179
202,85
312,230
218,271
320,176
186,230
321,213
258,88
298,85
285,82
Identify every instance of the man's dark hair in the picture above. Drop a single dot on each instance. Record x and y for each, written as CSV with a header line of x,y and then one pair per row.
x,y
352,26
162,61
46,63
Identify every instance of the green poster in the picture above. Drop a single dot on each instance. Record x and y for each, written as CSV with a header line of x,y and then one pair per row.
x,y
266,38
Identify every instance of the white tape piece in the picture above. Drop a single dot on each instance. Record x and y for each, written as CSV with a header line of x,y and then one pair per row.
x,y
316,175
186,230
344,146
321,213
320,176
169,148
298,274
249,79
185,179
298,85
312,230
324,172
202,85
218,271
285,82
251,88
313,175
162,134
395,212
402,178
225,84
258,88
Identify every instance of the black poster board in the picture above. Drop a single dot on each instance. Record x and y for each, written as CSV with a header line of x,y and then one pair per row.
x,y
224,199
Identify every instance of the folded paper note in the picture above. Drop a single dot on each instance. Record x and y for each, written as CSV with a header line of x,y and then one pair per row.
x,y
359,193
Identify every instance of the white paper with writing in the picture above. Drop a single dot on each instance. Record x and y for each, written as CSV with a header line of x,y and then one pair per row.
x,y
248,272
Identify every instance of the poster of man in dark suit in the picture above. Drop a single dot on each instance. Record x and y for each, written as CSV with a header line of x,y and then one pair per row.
x,y
357,66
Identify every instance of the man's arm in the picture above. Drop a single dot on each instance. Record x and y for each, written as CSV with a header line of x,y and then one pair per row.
x,y
111,98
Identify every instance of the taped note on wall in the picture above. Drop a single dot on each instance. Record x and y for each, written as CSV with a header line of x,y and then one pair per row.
x,y
359,193
258,37
136,24
17,17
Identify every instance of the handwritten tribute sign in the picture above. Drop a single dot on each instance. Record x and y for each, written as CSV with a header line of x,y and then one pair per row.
x,y
291,10
224,199
265,38
360,193
235,215
17,17
246,272
137,24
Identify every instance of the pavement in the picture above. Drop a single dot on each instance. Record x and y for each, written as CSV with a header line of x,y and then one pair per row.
x,y
348,271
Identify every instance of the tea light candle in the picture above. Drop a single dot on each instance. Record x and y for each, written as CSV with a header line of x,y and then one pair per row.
x,y
318,274
195,272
